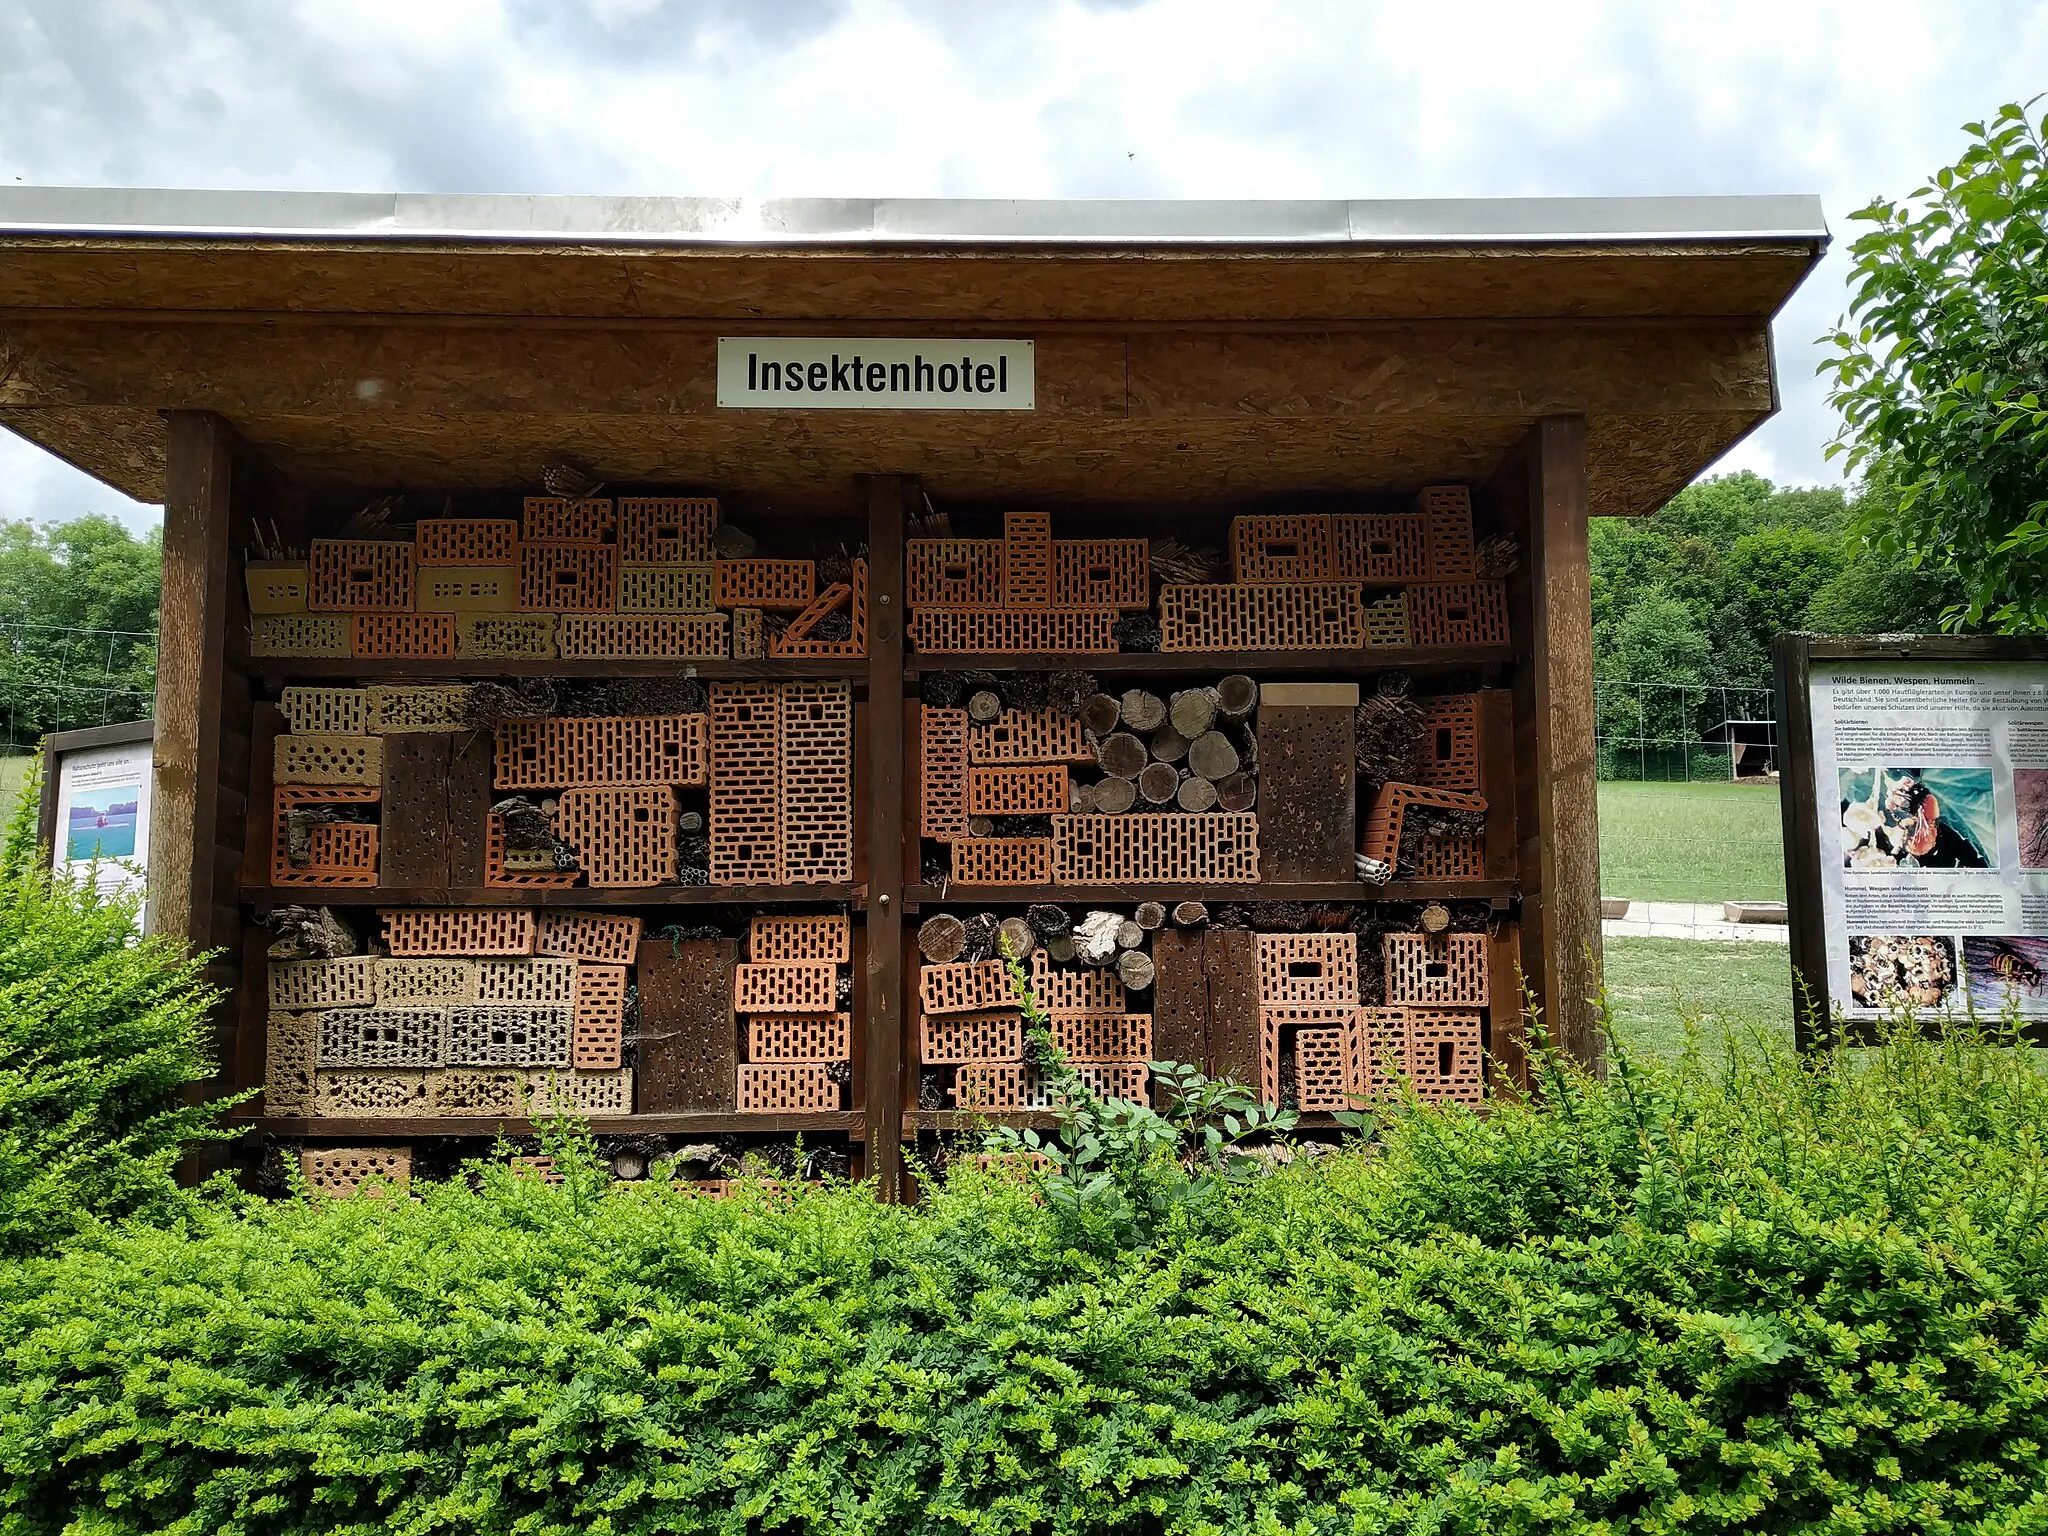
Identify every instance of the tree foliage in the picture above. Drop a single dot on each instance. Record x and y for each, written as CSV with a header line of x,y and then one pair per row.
x,y
1940,371
78,615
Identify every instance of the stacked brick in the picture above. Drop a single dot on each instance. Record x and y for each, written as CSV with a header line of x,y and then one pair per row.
x,y
1025,593
600,578
612,783
796,1037
1343,581
781,775
498,1013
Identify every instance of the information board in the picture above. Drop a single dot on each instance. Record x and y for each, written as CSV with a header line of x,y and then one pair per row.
x,y
95,815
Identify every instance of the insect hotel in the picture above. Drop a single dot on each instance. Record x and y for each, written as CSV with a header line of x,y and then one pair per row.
x,y
656,658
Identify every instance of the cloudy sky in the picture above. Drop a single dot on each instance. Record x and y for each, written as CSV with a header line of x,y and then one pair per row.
x,y
1023,98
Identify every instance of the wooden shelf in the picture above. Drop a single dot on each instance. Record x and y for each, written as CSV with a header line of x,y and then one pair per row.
x,y
1395,890
1125,663
701,1122
464,668
549,896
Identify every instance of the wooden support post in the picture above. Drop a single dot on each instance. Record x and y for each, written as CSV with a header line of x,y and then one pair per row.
x,y
1541,493
184,803
886,495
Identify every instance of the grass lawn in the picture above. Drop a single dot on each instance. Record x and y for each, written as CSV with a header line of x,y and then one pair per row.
x,y
13,774
1730,988
1691,842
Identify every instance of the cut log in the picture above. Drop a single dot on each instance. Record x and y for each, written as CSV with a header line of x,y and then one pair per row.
x,y
1122,755
1168,745
1236,697
980,826
940,939
1189,914
1158,782
1237,792
1080,797
690,821
1135,970
1099,715
1436,917
1115,796
984,707
1193,711
981,937
1129,935
1212,756
1141,711
1060,947
1195,794
1150,916
1014,939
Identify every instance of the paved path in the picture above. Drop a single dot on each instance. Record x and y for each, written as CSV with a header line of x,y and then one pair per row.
x,y
1688,920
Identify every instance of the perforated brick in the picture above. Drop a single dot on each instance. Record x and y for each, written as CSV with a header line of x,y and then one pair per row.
x,y
299,634
1445,1060
424,983
942,748
1308,968
1105,1079
1279,1023
480,931
1002,861
372,1094
649,588
521,870
1450,736
506,636
949,1039
557,519
1458,613
963,986
800,1037
814,792
469,589
827,602
1456,857
349,982
602,750
1014,631
600,1018
339,853
326,711
623,836
800,638
466,541
509,1035
1278,617
599,937
749,635
581,1093
785,986
1372,547
953,573
1386,621
361,576
746,730
291,1044
338,1172
541,1170
525,981
1027,559
1281,549
1074,990
1389,812
413,709
1439,969
781,585
990,1086
1379,1052
786,1089
1322,1069
409,636
1108,573
1103,1036
809,939
568,578
1027,736
278,586
1016,791
382,1037
1447,512
296,759
641,637
667,529
1218,849
494,1091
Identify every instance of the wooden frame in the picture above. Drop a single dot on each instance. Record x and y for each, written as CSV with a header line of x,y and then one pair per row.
x,y
60,744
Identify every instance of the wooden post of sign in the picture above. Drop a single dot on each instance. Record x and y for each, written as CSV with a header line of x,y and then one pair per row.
x,y
886,495
1540,495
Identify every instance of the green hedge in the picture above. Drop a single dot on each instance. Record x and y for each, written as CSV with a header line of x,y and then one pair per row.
x,y
1697,1299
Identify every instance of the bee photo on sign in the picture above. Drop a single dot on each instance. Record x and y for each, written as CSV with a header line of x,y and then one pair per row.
x,y
1917,818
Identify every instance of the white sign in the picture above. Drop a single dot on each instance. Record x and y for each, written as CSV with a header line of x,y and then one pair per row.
x,y
103,815
869,373
1932,783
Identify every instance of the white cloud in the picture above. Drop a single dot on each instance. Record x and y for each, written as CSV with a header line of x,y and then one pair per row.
x,y
1173,98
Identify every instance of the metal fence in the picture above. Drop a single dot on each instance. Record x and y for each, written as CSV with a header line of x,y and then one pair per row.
x,y
58,679
1684,732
